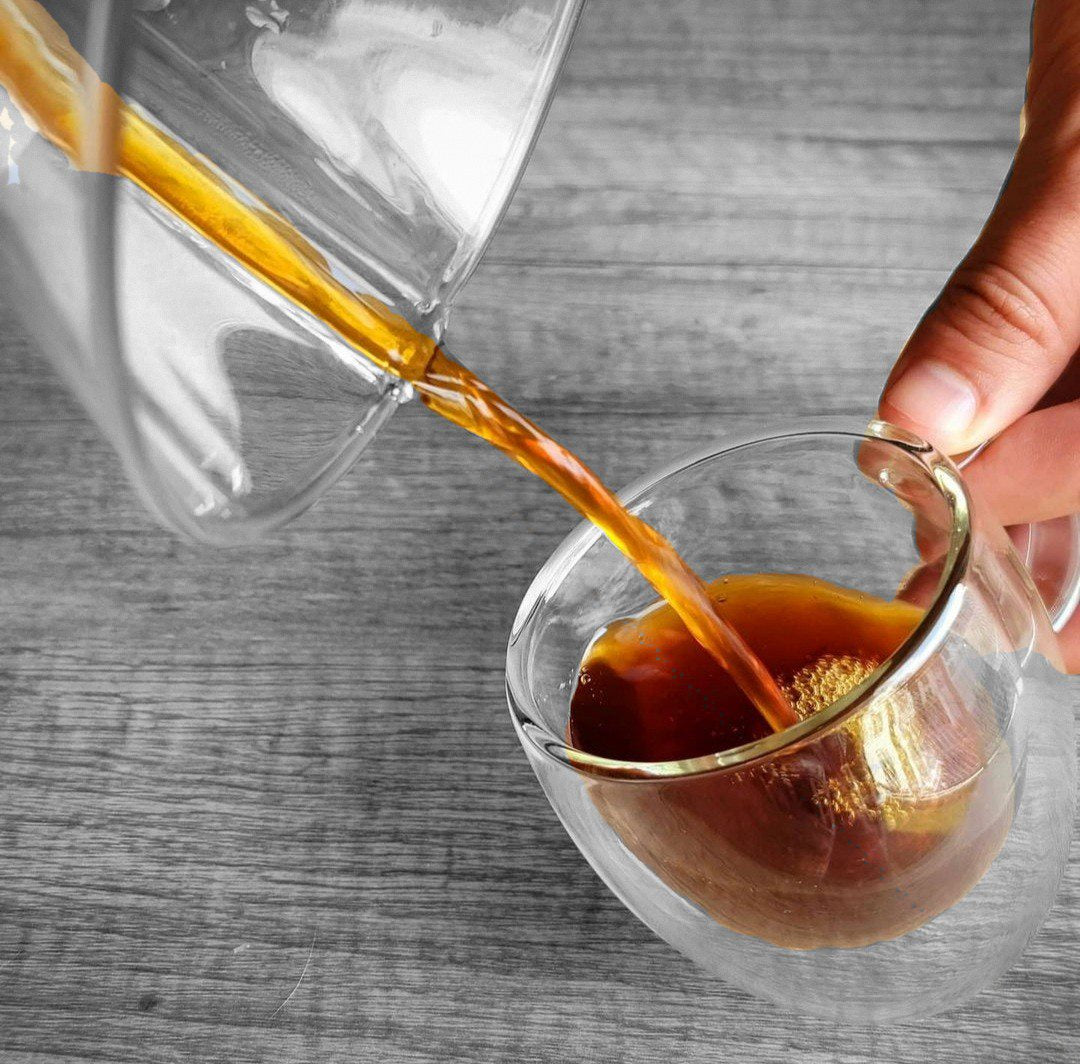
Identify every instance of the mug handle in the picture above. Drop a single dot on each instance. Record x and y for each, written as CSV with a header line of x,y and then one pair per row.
x,y
1051,552
1052,556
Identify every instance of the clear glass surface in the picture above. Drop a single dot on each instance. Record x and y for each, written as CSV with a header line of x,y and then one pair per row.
x,y
388,135
963,739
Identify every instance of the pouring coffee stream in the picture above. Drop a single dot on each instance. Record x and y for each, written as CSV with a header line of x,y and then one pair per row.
x,y
891,849
46,77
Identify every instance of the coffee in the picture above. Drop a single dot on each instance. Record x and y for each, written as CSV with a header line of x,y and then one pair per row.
x,y
860,834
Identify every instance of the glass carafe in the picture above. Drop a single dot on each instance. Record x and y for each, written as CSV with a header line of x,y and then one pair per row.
x,y
386,137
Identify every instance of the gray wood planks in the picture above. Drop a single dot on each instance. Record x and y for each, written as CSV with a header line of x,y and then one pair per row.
x,y
265,804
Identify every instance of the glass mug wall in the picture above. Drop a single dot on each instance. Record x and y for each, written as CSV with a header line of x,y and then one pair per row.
x,y
388,135
888,856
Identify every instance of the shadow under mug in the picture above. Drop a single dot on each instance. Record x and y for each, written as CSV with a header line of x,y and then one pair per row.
x,y
928,885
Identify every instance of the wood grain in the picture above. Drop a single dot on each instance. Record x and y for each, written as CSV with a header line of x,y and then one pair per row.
x,y
266,804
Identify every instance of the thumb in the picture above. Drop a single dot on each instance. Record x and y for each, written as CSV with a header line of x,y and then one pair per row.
x,y
1008,321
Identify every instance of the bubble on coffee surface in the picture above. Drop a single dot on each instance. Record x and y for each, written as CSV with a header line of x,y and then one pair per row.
x,y
889,771
826,680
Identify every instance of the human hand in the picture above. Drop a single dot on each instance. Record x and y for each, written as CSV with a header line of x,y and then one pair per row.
x,y
996,355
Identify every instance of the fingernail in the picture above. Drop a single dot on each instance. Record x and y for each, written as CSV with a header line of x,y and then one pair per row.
x,y
935,398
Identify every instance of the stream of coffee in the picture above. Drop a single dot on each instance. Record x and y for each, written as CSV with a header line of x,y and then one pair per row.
x,y
48,80
859,837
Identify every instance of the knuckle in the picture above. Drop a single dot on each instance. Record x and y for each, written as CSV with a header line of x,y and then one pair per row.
x,y
992,306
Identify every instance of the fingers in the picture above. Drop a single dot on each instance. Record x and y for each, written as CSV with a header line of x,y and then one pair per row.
x,y
1069,644
920,585
1008,321
1031,472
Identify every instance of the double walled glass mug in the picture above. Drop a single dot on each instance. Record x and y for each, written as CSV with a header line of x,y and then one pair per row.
x,y
949,770
384,136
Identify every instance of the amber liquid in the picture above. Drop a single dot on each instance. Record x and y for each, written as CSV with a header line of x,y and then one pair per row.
x,y
856,837
47,79
808,850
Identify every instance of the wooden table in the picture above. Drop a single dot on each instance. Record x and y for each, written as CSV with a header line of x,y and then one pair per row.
x,y
266,804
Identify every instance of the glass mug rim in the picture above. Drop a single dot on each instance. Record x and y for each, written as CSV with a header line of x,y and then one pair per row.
x,y
909,657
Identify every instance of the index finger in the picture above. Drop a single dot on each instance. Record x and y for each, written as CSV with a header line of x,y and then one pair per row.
x,y
1008,321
